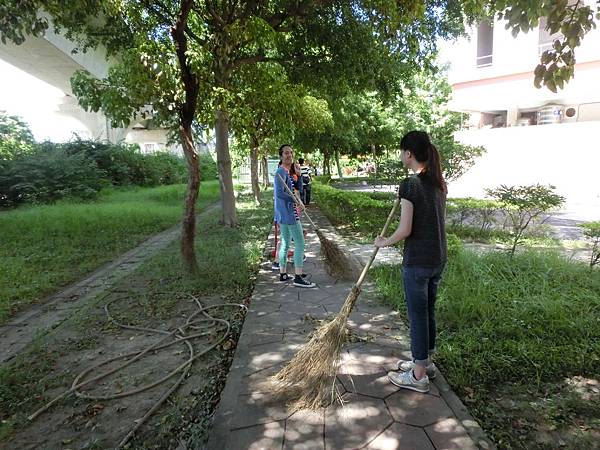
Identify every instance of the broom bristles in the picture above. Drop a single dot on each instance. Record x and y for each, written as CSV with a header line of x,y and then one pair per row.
x,y
309,378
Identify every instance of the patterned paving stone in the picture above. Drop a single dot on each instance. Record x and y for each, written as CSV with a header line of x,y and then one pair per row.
x,y
373,413
371,353
268,337
304,430
374,385
449,434
263,356
266,436
413,408
259,381
355,423
401,437
258,408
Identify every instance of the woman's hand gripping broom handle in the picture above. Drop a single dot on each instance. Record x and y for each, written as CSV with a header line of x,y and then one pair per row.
x,y
297,201
374,254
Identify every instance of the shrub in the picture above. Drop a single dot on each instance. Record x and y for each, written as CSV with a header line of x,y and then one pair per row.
x,y
384,196
16,138
357,209
455,245
522,205
592,231
124,164
80,168
323,179
45,177
481,212
208,167
390,171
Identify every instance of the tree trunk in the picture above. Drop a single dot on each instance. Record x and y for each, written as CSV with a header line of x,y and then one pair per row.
x,y
336,155
229,216
265,172
326,168
254,171
374,152
188,226
187,111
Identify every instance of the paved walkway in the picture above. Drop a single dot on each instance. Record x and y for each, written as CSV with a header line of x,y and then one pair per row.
x,y
375,413
17,333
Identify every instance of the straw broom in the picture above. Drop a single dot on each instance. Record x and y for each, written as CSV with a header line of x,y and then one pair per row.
x,y
309,377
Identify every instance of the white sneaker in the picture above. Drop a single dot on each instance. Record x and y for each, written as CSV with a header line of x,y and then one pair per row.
x,y
405,366
406,380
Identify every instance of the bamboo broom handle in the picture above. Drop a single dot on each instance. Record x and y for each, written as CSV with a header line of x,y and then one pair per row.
x,y
374,254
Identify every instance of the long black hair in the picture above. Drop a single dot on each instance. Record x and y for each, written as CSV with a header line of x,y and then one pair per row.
x,y
419,144
282,148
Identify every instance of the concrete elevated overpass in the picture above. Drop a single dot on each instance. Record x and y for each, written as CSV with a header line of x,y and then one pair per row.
x,y
50,58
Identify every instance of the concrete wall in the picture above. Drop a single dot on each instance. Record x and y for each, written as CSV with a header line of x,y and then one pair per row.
x,y
565,155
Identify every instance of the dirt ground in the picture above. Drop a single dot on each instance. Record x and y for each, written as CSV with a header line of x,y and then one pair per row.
x,y
49,368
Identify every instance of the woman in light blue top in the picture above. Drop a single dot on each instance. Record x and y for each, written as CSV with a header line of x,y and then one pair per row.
x,y
289,223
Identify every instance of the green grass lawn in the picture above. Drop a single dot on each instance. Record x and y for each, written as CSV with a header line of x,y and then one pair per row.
x,y
521,332
44,248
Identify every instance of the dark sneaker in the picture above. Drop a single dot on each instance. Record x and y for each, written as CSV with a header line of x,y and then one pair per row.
x,y
405,366
300,282
275,265
406,380
284,277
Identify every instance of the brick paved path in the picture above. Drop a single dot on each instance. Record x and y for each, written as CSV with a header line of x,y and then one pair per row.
x,y
375,414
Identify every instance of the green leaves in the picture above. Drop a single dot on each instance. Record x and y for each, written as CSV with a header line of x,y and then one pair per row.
x,y
524,204
15,137
19,19
568,20
591,230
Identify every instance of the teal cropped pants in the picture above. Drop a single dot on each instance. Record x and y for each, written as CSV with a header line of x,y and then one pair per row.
x,y
289,232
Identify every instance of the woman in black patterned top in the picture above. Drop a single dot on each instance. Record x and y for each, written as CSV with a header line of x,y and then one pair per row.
x,y
422,227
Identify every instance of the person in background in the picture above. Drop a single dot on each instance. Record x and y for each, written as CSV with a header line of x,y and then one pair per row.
x,y
306,179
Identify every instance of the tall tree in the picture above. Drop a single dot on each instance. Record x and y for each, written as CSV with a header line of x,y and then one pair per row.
x,y
141,80
269,106
15,137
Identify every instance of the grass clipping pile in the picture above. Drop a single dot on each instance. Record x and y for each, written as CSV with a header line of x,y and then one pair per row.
x,y
308,380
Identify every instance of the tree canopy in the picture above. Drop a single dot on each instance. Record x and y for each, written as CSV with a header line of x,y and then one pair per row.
x,y
186,61
15,137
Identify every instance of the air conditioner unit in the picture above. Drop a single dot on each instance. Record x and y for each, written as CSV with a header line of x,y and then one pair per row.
x,y
570,113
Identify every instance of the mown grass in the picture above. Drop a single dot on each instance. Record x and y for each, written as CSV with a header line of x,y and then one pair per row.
x,y
44,248
515,325
228,260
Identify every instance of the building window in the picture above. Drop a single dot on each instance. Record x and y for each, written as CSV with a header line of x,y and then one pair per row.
x,y
545,39
150,147
485,44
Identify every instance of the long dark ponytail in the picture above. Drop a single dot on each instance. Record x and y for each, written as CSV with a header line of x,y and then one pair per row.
x,y
419,144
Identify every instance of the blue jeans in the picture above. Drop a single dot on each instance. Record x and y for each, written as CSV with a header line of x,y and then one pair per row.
x,y
420,290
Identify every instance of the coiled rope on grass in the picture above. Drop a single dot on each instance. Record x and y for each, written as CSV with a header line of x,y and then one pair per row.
x,y
207,324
